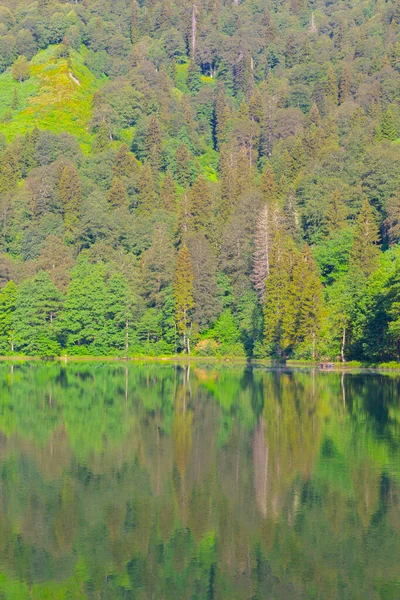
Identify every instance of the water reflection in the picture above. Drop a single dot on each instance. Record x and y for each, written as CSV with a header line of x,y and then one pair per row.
x,y
163,482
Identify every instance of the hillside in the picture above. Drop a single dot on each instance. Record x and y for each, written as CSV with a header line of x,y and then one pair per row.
x,y
219,178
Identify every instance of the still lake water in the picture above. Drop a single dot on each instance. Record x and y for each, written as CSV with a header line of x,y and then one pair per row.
x,y
155,482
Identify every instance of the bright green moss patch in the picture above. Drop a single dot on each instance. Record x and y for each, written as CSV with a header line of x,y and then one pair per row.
x,y
57,97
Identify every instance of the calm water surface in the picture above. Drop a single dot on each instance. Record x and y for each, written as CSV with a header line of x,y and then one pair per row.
x,y
163,483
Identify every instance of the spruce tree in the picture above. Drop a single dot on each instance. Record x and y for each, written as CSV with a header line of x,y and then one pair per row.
x,y
388,126
335,217
117,196
268,223
153,144
201,206
182,166
8,298
168,193
365,251
183,296
193,80
69,189
331,87
15,102
277,295
345,84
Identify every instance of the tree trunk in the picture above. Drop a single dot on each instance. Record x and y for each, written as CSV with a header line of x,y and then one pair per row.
x,y
343,344
127,336
194,10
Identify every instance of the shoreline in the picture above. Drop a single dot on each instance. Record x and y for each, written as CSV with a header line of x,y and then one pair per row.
x,y
238,360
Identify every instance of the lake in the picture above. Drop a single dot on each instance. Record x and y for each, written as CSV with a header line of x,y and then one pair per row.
x,y
205,482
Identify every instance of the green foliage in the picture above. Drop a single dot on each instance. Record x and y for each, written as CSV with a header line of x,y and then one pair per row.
x,y
130,131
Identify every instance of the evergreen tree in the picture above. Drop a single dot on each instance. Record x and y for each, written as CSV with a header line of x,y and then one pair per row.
x,y
134,29
119,305
168,193
335,218
365,251
154,144
388,126
303,315
125,163
277,295
102,138
117,196
8,298
201,206
148,198
183,295
193,80
331,87
268,184
183,170
345,84
15,102
69,189
268,224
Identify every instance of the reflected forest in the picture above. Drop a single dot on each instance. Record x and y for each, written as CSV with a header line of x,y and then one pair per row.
x,y
144,482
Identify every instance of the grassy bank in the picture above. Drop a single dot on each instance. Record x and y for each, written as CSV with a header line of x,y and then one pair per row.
x,y
239,360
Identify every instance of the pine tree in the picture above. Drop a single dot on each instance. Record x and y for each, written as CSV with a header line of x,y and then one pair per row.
x,y
291,215
331,87
315,116
125,163
276,295
335,218
268,184
148,198
221,118
183,295
268,224
117,196
102,139
134,22
200,205
153,147
69,189
10,170
183,171
302,318
388,126
15,102
365,251
119,305
345,84
8,298
168,193
193,80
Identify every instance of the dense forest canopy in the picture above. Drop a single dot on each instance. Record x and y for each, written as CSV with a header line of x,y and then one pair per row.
x,y
216,177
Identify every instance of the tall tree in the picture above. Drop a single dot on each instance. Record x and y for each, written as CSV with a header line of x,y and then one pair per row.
x,y
8,298
268,224
35,318
365,251
183,295
69,189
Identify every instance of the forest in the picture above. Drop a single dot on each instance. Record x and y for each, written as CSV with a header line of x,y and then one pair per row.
x,y
220,178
